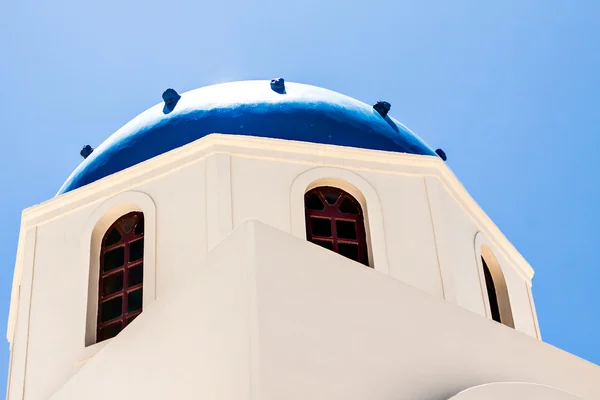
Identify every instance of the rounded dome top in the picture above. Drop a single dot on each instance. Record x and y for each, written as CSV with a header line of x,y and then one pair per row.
x,y
251,108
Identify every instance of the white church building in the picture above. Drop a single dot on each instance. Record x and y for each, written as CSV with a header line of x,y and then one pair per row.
x,y
265,240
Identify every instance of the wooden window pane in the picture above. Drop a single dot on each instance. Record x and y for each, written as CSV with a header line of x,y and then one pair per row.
x,y
136,275
139,227
331,195
111,309
313,202
345,229
128,221
136,250
349,250
109,331
112,238
349,207
114,259
134,300
112,283
321,227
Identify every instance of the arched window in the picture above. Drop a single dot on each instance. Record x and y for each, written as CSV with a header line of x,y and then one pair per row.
x,y
491,292
121,275
334,220
495,288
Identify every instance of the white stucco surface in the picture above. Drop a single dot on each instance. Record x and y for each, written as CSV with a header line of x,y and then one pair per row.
x,y
422,228
271,316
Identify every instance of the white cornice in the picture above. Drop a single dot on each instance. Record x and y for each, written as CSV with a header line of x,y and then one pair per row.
x,y
282,150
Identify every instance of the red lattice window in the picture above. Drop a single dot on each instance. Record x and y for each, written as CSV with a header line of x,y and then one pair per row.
x,y
121,275
334,220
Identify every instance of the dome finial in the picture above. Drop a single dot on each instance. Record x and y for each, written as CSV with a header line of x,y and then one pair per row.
x,y
251,108
86,151
382,107
170,97
442,154
278,85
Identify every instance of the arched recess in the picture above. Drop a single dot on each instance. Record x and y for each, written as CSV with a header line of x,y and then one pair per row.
x,y
493,283
93,233
356,186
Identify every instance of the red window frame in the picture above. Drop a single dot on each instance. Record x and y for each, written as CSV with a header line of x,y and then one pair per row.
x,y
120,276
334,220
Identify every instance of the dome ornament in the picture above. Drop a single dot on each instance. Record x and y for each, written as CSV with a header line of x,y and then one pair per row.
x,y
170,97
86,151
382,107
278,85
305,113
442,154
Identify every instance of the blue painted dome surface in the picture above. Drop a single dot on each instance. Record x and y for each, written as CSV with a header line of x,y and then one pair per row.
x,y
303,113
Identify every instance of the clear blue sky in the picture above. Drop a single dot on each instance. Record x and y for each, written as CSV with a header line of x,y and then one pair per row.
x,y
510,90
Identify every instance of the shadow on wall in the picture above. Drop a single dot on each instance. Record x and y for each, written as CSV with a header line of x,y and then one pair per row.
x,y
514,391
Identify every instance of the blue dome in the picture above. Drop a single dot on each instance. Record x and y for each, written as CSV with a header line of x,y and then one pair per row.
x,y
251,108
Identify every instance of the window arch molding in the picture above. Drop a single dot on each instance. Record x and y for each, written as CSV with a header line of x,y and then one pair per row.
x,y
356,186
483,251
92,234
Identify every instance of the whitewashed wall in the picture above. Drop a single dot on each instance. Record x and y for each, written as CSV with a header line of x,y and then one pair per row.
x,y
421,221
272,317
